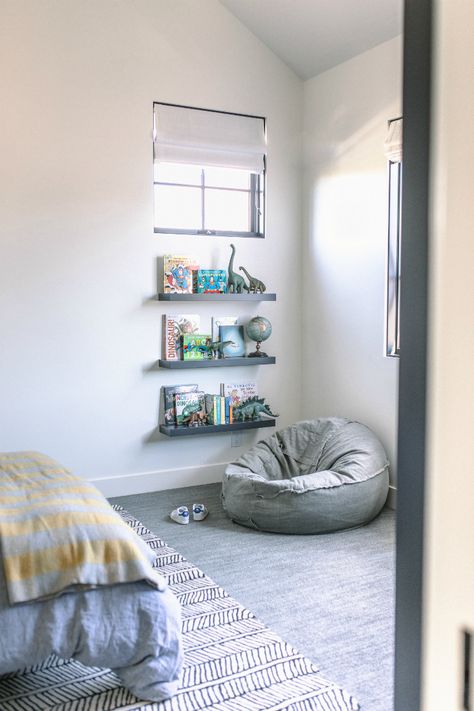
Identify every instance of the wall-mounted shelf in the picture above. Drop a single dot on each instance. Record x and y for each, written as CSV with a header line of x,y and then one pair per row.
x,y
216,297
215,363
185,431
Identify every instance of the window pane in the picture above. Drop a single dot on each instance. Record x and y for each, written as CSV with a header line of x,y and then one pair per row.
x,y
178,173
177,207
227,178
227,210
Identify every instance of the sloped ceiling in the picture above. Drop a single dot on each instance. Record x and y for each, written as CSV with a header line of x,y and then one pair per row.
x,y
311,36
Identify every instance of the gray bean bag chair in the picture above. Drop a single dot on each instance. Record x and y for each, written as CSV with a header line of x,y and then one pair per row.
x,y
313,477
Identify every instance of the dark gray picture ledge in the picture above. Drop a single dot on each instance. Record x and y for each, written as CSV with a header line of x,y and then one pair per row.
x,y
215,363
216,297
185,431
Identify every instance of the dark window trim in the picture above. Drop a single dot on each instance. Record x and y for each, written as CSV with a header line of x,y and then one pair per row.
x,y
392,304
205,233
259,196
412,413
212,111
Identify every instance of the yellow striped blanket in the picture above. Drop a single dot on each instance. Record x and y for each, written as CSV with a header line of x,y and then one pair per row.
x,y
59,534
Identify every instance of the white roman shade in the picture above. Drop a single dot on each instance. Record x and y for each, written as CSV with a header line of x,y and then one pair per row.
x,y
394,141
200,137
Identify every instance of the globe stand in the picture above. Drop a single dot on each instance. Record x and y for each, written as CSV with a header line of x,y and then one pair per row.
x,y
258,353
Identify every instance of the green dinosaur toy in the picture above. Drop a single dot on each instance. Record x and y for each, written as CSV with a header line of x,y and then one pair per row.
x,y
252,409
215,349
235,282
255,285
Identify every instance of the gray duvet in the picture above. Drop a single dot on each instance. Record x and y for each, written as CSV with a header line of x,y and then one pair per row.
x,y
130,628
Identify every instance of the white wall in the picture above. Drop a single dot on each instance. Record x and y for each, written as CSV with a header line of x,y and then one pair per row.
x,y
79,330
346,110
449,537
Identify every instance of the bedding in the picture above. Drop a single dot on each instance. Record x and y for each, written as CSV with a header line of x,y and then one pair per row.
x,y
77,582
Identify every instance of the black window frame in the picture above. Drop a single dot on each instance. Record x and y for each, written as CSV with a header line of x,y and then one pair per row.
x,y
257,191
392,340
394,246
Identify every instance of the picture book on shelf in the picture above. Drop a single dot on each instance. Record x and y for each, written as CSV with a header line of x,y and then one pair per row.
x,y
209,281
178,274
190,408
217,321
235,335
174,327
195,346
169,404
239,392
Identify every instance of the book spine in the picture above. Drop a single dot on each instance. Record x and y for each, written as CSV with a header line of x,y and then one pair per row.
x,y
222,399
231,413
218,410
169,345
227,410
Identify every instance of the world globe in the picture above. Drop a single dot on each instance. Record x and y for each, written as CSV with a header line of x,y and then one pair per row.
x,y
259,329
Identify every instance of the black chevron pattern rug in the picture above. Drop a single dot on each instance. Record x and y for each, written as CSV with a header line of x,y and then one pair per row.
x,y
232,661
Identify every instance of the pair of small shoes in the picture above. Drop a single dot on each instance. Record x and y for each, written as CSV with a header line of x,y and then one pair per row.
x,y
181,514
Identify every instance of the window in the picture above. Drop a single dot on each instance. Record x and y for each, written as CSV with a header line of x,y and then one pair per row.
x,y
393,151
209,172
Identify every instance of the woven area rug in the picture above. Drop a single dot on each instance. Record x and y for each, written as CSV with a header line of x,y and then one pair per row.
x,y
232,661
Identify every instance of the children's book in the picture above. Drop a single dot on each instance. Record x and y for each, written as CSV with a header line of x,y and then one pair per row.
x,y
234,334
211,408
178,274
217,321
209,281
240,392
195,346
190,408
174,327
169,405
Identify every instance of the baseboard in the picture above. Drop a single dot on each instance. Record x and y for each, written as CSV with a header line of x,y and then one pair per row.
x,y
143,482
392,497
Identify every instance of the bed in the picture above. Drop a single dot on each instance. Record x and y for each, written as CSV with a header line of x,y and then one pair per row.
x,y
78,583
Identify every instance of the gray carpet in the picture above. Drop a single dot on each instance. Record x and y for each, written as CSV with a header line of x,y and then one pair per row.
x,y
330,596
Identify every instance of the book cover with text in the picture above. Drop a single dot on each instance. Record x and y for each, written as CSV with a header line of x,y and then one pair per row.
x,y
178,274
169,405
188,405
174,327
195,346
240,392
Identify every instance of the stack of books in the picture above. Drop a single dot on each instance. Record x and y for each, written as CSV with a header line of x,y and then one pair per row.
x,y
186,405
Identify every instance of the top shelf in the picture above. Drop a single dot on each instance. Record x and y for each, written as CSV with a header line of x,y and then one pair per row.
x,y
216,297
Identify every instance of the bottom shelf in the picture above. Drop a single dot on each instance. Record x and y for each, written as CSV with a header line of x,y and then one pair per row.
x,y
185,431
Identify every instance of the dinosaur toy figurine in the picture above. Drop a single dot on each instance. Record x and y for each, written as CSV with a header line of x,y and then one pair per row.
x,y
193,414
215,349
252,410
197,418
235,282
255,285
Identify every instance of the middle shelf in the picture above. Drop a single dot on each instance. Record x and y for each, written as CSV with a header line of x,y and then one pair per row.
x,y
216,363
